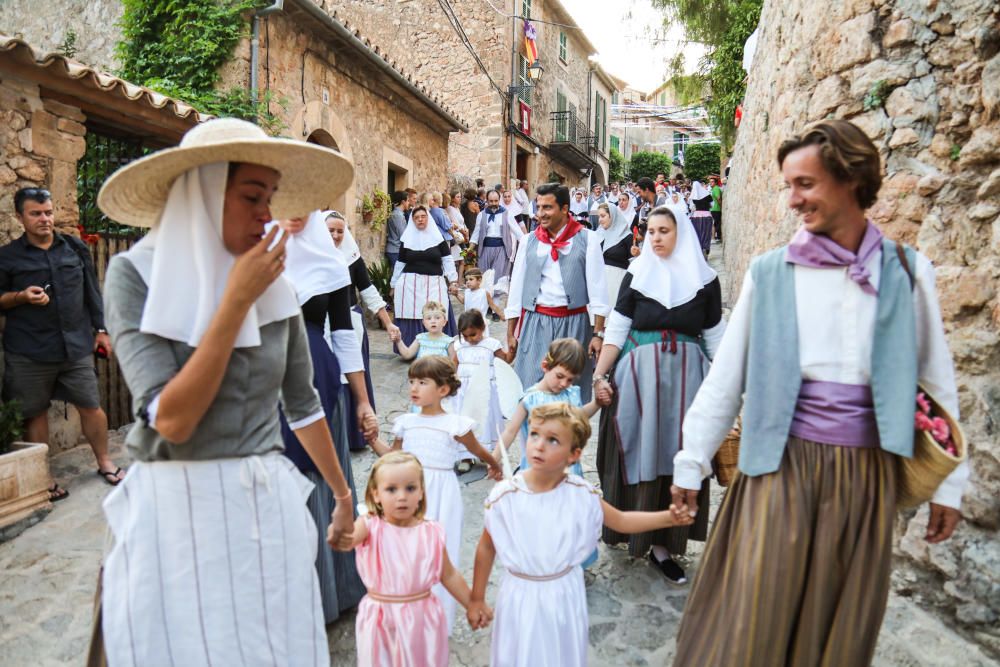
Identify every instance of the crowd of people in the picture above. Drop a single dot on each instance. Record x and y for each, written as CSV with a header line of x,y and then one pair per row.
x,y
237,322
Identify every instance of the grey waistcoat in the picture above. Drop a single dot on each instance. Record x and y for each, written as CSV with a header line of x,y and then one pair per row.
x,y
572,267
774,376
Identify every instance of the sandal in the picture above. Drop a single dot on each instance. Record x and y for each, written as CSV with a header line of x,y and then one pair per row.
x,y
57,493
110,476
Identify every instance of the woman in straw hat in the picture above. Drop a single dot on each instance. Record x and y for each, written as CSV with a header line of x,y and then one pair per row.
x,y
213,545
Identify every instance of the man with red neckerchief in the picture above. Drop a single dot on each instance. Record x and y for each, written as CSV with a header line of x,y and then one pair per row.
x,y
558,275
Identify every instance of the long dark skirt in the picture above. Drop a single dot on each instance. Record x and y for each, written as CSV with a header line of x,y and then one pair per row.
x,y
409,329
651,496
702,222
339,583
355,438
796,571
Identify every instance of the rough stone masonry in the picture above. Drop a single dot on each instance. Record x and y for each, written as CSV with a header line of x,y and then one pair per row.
x,y
922,77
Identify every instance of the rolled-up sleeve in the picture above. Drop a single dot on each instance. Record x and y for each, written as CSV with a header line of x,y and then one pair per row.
x,y
299,399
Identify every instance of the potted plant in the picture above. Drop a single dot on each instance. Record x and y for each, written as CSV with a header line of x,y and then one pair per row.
x,y
24,470
380,273
375,208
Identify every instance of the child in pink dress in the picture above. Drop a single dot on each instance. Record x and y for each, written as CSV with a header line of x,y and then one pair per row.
x,y
400,557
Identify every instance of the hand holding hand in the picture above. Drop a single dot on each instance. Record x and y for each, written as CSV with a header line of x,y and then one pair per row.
x,y
255,270
680,516
35,296
495,472
941,523
367,421
512,346
453,289
604,392
394,333
685,498
340,534
479,615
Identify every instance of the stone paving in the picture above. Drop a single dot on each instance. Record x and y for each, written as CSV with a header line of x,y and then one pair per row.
x,y
48,573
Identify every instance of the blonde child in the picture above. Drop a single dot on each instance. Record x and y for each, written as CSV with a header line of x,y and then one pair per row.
x,y
400,556
563,363
432,341
470,351
430,435
542,524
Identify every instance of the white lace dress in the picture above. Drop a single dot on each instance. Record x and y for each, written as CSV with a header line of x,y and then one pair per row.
x,y
432,441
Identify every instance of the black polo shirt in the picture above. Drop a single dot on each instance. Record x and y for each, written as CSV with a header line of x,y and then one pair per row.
x,y
63,329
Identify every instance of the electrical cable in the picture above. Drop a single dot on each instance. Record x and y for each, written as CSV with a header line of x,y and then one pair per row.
x,y
456,24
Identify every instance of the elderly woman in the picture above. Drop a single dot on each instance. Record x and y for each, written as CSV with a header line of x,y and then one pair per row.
x,y
661,335
214,549
425,272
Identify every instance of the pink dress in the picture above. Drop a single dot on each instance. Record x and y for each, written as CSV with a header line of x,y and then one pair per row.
x,y
396,561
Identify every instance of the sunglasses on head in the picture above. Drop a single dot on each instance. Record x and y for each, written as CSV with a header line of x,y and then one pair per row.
x,y
37,192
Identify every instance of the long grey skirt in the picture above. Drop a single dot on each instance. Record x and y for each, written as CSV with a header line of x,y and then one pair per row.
x,y
537,333
339,583
640,433
496,258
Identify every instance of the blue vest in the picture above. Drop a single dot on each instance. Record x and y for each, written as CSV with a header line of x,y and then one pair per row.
x,y
572,268
774,377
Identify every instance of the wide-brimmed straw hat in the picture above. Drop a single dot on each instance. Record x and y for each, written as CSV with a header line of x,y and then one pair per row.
x,y
312,176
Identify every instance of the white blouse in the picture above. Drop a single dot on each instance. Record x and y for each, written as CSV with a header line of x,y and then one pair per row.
x,y
836,324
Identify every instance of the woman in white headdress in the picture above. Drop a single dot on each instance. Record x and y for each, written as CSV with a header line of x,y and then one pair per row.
x,y
361,284
701,215
614,230
214,548
660,337
322,282
424,272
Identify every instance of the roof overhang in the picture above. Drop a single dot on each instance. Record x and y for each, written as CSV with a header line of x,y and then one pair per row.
x,y
371,64
101,96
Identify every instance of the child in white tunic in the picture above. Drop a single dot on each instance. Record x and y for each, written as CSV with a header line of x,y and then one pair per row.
x,y
430,435
471,351
542,524
477,296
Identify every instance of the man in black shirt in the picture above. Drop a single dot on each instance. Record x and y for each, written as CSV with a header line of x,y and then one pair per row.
x,y
55,323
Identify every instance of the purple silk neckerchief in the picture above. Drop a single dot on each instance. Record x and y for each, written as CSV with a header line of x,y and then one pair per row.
x,y
808,249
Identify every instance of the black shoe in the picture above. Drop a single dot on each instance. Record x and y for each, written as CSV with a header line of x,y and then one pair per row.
x,y
670,569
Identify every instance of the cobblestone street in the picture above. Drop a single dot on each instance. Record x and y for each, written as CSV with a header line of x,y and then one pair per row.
x,y
48,573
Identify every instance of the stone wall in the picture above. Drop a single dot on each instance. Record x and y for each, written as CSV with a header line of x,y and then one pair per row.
x,y
361,121
418,36
45,25
922,77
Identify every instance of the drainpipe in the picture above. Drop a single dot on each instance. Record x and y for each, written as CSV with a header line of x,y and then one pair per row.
x,y
277,6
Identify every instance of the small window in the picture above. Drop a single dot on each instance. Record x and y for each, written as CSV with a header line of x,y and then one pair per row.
x,y
563,47
615,99
523,80
526,9
680,142
615,143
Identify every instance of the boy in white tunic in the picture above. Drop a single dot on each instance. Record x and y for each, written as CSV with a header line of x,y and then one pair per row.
x,y
543,523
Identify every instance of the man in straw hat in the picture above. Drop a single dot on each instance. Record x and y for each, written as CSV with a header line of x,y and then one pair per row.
x,y
827,342
214,549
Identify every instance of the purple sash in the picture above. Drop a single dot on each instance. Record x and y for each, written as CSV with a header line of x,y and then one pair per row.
x,y
835,414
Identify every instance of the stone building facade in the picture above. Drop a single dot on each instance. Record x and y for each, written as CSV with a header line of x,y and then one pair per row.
x,y
923,80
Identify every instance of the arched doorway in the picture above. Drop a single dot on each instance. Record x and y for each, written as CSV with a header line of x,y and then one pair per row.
x,y
316,123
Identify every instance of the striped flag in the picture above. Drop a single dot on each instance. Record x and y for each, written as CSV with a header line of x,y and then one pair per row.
x,y
530,50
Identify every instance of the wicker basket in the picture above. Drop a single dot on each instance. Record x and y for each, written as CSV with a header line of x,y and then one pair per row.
x,y
919,477
728,456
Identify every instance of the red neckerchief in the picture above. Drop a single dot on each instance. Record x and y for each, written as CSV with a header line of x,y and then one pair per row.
x,y
560,241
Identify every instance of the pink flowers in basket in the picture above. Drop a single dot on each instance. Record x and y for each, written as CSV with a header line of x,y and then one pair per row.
x,y
938,428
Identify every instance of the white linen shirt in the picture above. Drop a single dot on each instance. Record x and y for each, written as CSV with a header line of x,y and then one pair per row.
x,y
551,291
836,325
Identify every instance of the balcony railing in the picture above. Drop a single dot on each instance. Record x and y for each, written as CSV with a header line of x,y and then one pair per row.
x,y
568,128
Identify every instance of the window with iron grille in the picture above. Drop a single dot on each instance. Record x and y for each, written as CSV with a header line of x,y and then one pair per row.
x,y
526,9
105,153
563,46
523,80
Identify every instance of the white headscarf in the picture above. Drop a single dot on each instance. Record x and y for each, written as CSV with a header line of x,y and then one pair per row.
x,y
186,265
313,265
678,208
348,246
415,239
619,229
698,191
675,280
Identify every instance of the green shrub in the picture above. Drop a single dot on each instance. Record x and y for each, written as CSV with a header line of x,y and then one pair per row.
x,y
11,425
648,164
700,160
